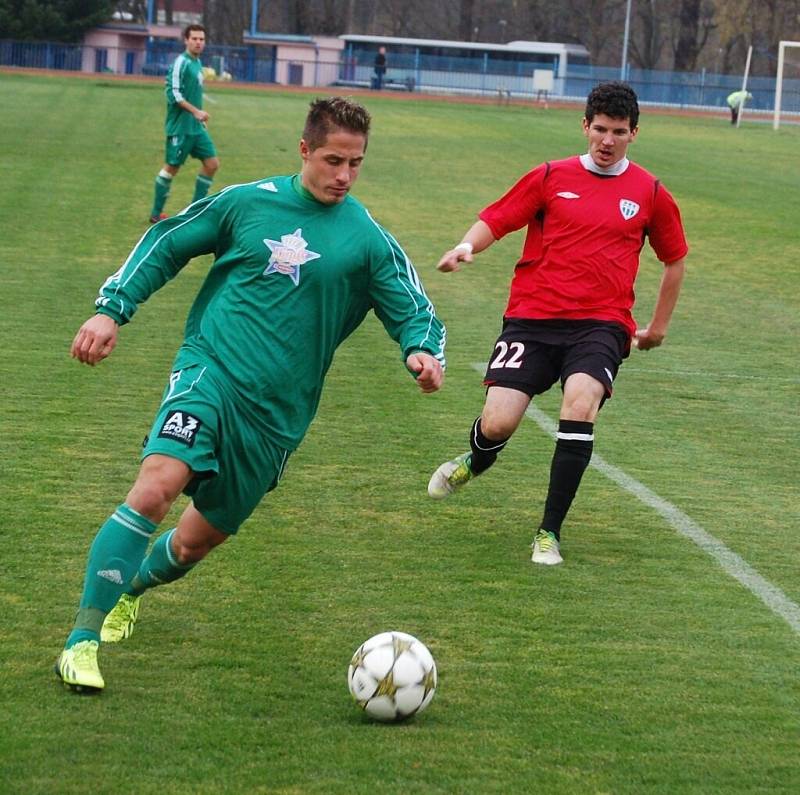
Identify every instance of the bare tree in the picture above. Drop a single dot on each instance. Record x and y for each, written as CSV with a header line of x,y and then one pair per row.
x,y
466,20
649,34
226,21
695,23
733,23
598,25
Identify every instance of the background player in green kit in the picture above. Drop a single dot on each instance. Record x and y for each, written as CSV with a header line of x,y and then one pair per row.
x,y
298,265
185,125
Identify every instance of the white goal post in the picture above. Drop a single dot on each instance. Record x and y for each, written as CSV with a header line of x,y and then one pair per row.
x,y
776,119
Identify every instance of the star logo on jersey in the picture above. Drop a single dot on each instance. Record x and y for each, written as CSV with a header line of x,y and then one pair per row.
x,y
288,254
568,194
628,208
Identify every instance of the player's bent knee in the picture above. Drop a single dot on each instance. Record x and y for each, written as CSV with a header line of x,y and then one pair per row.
x,y
191,548
187,555
152,500
497,430
161,479
498,424
582,397
582,409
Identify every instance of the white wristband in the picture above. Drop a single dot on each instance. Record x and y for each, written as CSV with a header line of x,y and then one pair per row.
x,y
464,247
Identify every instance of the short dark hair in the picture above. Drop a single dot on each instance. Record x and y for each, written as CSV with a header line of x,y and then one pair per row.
x,y
189,28
614,99
334,113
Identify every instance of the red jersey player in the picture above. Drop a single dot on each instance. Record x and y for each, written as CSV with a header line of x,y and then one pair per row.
x,y
569,312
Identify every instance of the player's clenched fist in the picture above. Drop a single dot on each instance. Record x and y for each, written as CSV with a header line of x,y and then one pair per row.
x,y
428,371
95,339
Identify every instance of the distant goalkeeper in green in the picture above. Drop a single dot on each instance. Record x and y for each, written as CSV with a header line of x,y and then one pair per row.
x,y
186,123
298,264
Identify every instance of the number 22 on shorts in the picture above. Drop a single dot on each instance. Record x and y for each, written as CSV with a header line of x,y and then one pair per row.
x,y
503,359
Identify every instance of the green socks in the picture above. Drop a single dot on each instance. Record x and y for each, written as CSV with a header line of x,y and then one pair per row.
x,y
159,567
201,187
114,557
163,185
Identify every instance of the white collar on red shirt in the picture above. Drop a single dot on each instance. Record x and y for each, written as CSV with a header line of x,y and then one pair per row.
x,y
620,167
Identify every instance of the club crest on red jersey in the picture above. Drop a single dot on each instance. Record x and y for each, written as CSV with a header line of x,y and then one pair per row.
x,y
288,254
628,208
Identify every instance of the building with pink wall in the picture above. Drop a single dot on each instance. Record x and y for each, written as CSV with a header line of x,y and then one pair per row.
x,y
122,48
299,60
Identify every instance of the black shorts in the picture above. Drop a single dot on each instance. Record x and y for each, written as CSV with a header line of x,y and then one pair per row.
x,y
531,355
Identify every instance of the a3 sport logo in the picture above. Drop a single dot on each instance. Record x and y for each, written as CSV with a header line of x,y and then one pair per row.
x,y
180,426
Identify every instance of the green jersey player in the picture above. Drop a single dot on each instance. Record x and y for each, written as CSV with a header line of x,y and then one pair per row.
x,y
298,265
186,121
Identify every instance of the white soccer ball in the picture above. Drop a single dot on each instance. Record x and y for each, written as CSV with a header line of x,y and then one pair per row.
x,y
392,676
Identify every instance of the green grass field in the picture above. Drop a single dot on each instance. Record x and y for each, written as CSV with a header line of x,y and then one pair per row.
x,y
641,665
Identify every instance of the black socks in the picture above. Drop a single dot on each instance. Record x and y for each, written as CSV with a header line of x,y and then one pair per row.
x,y
484,450
572,455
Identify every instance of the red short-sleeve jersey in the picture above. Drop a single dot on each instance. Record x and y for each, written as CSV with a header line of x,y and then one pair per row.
x,y
585,234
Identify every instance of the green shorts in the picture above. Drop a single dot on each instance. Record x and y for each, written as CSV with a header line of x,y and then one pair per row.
x,y
179,147
235,464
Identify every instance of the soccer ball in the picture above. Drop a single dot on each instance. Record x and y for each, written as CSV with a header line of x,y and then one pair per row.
x,y
392,676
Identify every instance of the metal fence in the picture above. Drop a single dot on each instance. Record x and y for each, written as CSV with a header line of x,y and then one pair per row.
x,y
249,64
41,55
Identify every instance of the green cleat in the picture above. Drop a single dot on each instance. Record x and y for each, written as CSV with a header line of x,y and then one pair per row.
x,y
120,621
77,667
450,477
546,548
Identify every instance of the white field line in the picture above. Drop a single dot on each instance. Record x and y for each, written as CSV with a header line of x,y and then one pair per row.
x,y
731,563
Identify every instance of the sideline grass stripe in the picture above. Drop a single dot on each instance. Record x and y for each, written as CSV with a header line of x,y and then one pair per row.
x,y
775,599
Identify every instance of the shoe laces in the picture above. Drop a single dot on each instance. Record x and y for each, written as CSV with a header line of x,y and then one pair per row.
x,y
85,653
546,540
461,474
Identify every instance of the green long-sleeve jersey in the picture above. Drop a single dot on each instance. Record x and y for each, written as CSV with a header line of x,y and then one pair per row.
x,y
184,81
291,279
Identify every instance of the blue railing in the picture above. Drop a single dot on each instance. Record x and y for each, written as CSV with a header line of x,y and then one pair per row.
x,y
41,55
432,74
160,54
685,89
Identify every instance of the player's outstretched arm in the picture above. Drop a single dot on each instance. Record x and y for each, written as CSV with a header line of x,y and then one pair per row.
x,y
651,337
428,370
478,238
95,339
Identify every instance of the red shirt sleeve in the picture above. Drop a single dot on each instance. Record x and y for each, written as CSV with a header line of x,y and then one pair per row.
x,y
519,206
666,228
